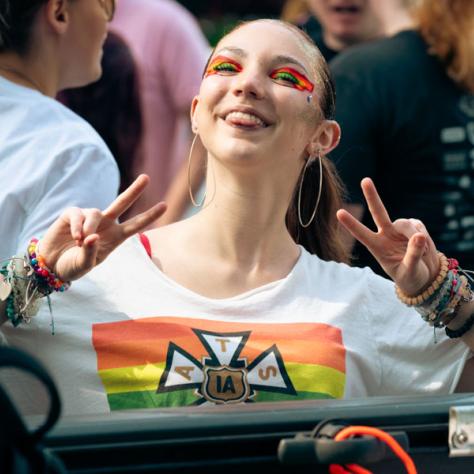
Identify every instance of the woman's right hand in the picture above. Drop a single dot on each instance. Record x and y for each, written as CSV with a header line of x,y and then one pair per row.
x,y
80,239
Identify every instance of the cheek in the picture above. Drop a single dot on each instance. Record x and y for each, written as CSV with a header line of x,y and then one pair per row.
x,y
212,88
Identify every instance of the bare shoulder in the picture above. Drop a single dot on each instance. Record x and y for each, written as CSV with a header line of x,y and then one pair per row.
x,y
166,241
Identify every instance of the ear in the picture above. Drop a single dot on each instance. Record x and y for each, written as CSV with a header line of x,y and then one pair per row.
x,y
193,114
326,138
57,15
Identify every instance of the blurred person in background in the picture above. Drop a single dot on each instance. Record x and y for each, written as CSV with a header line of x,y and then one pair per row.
x,y
334,25
112,105
406,109
170,52
50,158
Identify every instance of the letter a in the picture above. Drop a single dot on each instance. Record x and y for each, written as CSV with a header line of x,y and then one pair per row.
x,y
184,371
228,385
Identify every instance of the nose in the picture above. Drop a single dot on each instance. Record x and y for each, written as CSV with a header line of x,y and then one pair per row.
x,y
249,83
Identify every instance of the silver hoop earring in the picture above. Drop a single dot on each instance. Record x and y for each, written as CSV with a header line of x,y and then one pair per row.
x,y
195,204
309,161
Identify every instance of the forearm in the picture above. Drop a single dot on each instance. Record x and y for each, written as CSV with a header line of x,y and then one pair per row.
x,y
464,313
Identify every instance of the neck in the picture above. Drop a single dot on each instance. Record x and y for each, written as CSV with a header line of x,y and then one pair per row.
x,y
244,219
334,43
29,71
394,19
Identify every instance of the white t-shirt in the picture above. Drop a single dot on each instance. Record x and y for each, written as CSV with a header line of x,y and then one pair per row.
x,y
50,159
127,336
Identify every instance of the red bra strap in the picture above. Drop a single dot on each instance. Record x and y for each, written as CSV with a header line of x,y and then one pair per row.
x,y
146,243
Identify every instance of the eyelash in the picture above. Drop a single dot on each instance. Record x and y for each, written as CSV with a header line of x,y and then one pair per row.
x,y
284,76
226,67
279,75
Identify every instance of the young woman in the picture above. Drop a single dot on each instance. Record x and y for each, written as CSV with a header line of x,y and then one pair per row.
x,y
245,301
50,158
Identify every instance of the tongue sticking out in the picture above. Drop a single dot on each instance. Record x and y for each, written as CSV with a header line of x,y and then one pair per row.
x,y
240,119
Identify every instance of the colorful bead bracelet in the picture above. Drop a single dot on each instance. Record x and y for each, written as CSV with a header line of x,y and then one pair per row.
x,y
47,280
417,300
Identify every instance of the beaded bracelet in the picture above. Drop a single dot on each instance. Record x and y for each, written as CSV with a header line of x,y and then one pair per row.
x,y
434,302
431,290
447,310
446,301
47,280
455,333
19,290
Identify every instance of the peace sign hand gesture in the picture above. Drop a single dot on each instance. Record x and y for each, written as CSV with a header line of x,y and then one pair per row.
x,y
80,239
403,248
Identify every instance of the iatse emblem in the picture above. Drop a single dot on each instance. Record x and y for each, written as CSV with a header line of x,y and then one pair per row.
x,y
222,376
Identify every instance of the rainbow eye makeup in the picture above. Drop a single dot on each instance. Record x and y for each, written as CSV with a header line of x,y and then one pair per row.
x,y
294,78
222,64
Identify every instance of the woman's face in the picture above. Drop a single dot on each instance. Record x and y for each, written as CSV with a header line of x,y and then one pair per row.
x,y
82,48
254,105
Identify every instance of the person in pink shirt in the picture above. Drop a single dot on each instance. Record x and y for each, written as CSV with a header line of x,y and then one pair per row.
x,y
170,52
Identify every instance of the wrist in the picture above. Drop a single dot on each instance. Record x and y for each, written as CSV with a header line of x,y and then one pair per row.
x,y
47,280
428,290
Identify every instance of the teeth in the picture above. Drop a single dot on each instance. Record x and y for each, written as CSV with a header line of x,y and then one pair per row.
x,y
245,116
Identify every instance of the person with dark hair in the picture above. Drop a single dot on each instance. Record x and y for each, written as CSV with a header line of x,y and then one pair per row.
x,y
248,300
112,105
335,25
405,105
51,158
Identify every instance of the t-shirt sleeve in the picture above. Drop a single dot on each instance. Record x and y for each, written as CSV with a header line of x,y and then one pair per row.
x,y
355,156
182,58
82,176
413,359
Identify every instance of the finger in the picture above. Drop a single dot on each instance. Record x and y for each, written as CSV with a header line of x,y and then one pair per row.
x,y
143,220
127,198
88,253
375,204
406,227
358,230
75,217
431,247
410,227
430,255
93,218
415,250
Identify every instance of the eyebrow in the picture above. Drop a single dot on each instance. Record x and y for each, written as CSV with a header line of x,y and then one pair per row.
x,y
280,59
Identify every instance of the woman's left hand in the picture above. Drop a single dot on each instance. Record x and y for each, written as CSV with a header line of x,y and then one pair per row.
x,y
403,248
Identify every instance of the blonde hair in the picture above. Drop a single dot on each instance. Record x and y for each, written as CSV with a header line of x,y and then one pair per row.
x,y
448,28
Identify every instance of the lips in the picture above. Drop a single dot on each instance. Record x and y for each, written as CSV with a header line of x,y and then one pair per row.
x,y
346,8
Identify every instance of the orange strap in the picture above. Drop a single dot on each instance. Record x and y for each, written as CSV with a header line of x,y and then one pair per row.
x,y
376,433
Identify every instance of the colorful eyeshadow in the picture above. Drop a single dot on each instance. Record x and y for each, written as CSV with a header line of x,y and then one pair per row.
x,y
293,77
222,64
